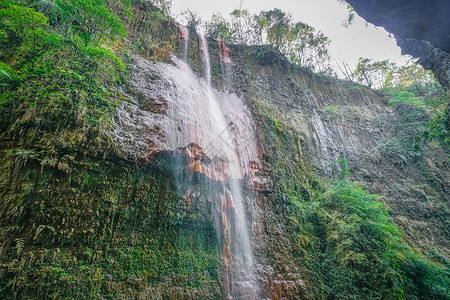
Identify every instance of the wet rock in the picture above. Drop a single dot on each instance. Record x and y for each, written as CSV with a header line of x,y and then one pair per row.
x,y
224,53
279,287
169,110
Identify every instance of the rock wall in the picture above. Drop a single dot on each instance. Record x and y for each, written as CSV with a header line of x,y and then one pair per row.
x,y
422,29
420,20
333,119
324,120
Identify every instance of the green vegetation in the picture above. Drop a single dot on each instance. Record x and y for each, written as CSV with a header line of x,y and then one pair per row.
x,y
24,22
74,224
438,128
385,74
299,42
163,5
342,236
87,228
91,21
354,251
60,81
77,222
423,114
331,110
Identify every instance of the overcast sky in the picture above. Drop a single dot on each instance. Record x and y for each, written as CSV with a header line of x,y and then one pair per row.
x,y
358,40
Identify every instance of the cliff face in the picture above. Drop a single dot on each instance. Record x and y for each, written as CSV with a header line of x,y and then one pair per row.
x,y
332,119
163,203
321,121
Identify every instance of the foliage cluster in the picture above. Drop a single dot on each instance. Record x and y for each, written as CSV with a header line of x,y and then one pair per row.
x,y
164,5
91,21
299,42
73,225
54,65
354,251
344,236
386,74
422,109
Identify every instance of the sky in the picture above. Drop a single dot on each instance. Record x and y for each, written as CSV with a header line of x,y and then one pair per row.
x,y
358,40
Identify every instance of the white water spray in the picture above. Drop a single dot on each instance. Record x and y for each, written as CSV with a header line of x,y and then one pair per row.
x,y
241,281
185,37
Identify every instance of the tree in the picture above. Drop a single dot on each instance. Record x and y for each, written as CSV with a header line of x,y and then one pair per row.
x,y
386,74
307,48
278,26
220,29
350,17
299,42
241,22
164,5
91,20
259,24
346,70
192,19
375,73
413,74
22,21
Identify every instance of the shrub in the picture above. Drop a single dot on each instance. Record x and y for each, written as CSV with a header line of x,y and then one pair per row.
x,y
355,251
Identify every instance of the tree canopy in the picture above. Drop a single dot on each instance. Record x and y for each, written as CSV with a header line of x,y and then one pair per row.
x,y
300,43
386,74
90,20
21,21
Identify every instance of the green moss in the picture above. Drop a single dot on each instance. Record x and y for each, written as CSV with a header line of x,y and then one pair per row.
x,y
94,228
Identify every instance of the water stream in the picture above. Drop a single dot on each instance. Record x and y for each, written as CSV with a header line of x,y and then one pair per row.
x,y
184,31
237,252
179,111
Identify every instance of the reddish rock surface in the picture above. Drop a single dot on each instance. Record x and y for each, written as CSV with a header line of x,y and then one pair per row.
x,y
225,53
169,111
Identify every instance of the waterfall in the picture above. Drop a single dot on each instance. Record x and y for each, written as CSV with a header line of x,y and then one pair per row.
x,y
184,31
206,60
225,64
237,256
179,112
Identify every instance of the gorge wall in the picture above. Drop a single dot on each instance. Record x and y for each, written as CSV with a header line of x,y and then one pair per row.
x,y
146,206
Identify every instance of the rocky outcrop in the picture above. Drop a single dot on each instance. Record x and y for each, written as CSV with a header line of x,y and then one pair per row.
x,y
332,119
416,19
169,111
430,57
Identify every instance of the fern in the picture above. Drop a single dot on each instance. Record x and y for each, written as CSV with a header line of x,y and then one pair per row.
x,y
20,244
6,74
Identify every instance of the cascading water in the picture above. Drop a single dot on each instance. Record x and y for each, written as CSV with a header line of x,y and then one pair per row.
x,y
212,133
184,32
176,111
237,253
